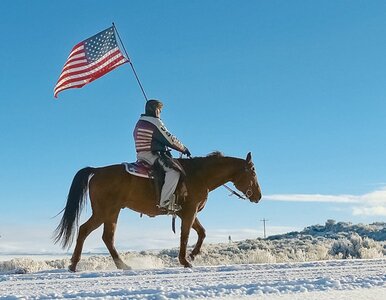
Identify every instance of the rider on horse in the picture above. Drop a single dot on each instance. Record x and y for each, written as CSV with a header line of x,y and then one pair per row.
x,y
152,141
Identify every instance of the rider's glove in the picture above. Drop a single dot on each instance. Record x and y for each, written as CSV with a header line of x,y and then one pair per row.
x,y
187,152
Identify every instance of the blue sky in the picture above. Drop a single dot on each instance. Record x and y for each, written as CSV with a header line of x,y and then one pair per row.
x,y
300,84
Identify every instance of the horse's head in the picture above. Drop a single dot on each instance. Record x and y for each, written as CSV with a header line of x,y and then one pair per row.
x,y
246,181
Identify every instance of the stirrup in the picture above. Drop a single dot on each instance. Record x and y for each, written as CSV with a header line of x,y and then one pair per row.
x,y
170,207
168,211
173,208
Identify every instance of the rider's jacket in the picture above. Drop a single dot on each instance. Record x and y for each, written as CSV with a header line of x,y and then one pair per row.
x,y
150,134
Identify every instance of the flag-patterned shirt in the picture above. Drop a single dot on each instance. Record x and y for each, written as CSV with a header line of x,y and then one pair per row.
x,y
150,134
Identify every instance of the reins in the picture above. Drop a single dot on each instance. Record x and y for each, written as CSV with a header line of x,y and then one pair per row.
x,y
233,192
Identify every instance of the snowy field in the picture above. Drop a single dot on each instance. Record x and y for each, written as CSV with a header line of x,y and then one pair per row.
x,y
335,279
339,261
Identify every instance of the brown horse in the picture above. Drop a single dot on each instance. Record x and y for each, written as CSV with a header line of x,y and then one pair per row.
x,y
111,189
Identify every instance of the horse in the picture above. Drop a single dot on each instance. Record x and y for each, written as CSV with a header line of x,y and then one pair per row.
x,y
111,189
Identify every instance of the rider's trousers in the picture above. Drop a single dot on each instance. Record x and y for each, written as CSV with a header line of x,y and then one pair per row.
x,y
171,176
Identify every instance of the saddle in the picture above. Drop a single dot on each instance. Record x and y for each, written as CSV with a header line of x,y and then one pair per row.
x,y
139,168
155,172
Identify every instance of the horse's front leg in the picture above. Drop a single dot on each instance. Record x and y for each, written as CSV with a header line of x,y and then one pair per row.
x,y
187,220
201,236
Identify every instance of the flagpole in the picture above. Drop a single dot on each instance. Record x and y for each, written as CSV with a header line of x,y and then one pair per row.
x,y
131,64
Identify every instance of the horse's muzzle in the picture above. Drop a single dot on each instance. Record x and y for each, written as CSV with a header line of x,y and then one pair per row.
x,y
255,198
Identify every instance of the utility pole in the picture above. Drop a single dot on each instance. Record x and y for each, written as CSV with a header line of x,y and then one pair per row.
x,y
264,221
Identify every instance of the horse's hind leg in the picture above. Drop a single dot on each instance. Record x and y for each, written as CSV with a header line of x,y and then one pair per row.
x,y
201,236
84,230
108,238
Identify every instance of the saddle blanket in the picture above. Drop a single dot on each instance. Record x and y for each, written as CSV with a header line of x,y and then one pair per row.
x,y
138,168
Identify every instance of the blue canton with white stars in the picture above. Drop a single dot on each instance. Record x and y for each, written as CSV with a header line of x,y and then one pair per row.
x,y
99,44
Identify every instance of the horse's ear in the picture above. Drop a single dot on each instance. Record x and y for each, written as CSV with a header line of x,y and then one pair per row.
x,y
249,157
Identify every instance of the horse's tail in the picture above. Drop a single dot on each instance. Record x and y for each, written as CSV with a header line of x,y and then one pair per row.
x,y
75,202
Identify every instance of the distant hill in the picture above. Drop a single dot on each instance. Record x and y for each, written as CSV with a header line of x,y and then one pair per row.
x,y
334,230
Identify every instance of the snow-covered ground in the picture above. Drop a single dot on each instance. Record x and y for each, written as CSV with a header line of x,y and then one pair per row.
x,y
338,261
334,279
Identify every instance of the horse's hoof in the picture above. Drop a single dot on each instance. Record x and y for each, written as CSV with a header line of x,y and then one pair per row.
x,y
191,256
21,271
188,265
72,268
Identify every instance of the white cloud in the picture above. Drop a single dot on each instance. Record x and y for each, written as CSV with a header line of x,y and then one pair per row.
x,y
369,204
313,198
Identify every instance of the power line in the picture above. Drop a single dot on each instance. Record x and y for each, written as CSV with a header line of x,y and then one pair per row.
x,y
264,221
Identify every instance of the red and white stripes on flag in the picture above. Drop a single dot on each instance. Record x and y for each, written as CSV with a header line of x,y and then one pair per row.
x,y
90,60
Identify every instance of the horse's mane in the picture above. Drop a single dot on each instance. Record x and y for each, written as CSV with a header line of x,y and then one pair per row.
x,y
215,154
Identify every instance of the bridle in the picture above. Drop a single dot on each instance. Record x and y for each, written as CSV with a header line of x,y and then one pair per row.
x,y
249,192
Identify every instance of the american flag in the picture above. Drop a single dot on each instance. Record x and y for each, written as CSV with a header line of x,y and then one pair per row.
x,y
90,60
